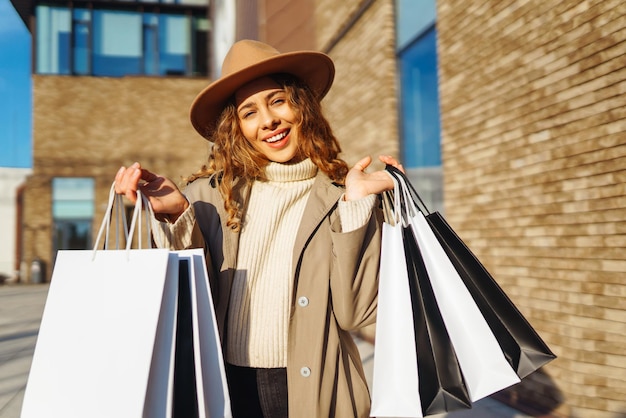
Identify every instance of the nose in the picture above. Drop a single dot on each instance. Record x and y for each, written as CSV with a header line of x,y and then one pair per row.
x,y
269,119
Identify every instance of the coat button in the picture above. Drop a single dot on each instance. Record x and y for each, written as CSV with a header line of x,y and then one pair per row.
x,y
305,372
303,301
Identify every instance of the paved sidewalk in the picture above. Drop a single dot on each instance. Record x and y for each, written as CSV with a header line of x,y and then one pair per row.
x,y
21,307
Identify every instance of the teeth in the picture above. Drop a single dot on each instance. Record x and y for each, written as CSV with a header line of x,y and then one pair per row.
x,y
277,137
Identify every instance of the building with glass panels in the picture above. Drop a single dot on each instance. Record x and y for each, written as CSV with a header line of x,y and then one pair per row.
x,y
112,82
115,38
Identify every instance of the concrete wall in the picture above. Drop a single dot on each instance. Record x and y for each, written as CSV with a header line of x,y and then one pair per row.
x,y
534,157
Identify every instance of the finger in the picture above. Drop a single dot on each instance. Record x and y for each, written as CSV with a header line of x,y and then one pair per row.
x,y
363,163
130,182
389,160
133,182
118,179
124,181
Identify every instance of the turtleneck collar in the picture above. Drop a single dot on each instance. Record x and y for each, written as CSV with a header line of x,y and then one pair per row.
x,y
303,170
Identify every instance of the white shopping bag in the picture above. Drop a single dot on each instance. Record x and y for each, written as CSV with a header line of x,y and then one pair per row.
x,y
98,341
395,388
480,356
107,340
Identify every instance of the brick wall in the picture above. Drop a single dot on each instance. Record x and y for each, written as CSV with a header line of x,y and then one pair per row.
x,y
331,17
98,123
362,105
533,110
90,126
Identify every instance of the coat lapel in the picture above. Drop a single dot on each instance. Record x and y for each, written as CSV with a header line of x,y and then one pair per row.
x,y
324,196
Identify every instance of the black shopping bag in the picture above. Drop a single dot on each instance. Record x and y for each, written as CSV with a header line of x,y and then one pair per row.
x,y
441,384
185,397
522,346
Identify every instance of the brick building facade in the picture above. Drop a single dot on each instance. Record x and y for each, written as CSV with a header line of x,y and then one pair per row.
x,y
108,122
533,110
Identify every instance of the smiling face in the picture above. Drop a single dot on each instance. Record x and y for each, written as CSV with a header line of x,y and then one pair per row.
x,y
267,120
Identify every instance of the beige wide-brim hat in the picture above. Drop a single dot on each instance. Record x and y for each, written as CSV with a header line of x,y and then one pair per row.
x,y
248,60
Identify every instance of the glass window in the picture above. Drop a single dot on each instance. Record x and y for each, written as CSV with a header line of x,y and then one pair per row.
x,y
150,44
420,102
174,44
72,235
73,211
194,2
117,45
72,197
412,19
54,27
82,42
200,42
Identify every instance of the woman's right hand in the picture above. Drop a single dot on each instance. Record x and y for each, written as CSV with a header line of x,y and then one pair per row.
x,y
165,198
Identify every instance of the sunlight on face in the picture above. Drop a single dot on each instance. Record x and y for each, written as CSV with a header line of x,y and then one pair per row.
x,y
267,120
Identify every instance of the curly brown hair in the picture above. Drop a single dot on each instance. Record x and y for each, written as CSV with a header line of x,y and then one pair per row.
x,y
235,163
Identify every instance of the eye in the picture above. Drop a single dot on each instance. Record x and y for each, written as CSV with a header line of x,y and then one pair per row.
x,y
247,114
278,101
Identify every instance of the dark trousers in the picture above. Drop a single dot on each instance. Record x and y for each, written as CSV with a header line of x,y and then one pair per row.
x,y
257,393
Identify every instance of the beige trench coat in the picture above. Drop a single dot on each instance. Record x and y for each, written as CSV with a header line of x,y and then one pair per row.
x,y
335,292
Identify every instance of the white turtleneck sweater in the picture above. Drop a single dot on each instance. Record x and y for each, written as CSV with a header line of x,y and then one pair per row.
x,y
260,300
258,315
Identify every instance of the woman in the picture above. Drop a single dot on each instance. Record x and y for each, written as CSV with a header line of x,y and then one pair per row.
x,y
292,236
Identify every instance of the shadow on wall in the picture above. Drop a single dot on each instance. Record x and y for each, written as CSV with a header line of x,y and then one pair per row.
x,y
536,395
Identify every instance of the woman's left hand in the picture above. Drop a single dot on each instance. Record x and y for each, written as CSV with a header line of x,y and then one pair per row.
x,y
360,184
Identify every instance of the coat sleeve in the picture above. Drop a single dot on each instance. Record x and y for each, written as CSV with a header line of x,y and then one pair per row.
x,y
354,275
181,235
187,231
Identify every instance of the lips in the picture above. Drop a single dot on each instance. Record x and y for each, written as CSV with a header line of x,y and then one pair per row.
x,y
277,139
